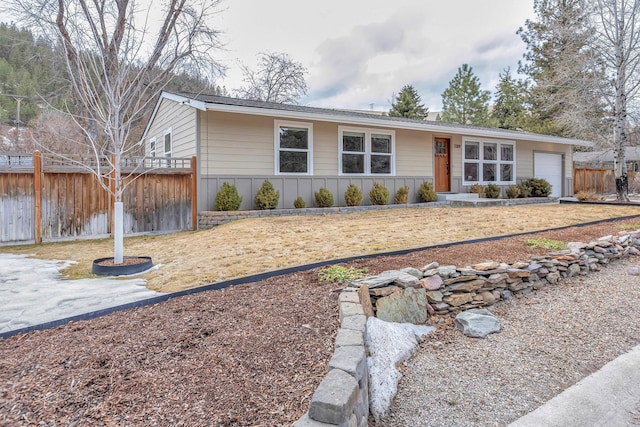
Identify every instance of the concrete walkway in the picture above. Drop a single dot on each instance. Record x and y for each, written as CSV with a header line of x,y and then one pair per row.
x,y
32,292
609,397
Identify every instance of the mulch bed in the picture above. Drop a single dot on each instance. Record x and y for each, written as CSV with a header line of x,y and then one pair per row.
x,y
249,355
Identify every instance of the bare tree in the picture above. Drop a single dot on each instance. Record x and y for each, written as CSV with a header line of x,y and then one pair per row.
x,y
616,44
118,59
278,78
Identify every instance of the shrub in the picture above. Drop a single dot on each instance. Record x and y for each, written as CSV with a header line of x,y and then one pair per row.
x,y
427,193
353,195
477,189
513,191
585,195
525,189
341,274
402,195
228,198
324,198
299,203
539,187
492,191
379,194
543,243
267,197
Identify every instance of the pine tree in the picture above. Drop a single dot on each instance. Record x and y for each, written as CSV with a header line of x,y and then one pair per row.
x,y
509,108
408,104
464,101
559,63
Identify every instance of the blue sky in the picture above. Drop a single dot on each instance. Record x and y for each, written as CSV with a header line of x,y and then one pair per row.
x,y
359,53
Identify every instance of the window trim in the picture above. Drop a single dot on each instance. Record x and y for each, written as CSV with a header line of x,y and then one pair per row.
x,y
367,150
276,146
152,147
164,142
481,162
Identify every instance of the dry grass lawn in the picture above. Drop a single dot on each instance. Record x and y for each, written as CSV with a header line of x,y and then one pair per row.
x,y
251,246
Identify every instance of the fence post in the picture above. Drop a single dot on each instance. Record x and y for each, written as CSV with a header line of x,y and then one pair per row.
x,y
37,190
194,193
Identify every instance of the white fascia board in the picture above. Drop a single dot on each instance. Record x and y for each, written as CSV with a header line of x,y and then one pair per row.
x,y
173,97
367,121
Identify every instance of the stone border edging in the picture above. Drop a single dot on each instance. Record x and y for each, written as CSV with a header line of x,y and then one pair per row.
x,y
342,397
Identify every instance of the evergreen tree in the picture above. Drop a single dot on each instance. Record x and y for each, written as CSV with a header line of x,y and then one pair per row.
x,y
510,109
408,104
559,63
464,101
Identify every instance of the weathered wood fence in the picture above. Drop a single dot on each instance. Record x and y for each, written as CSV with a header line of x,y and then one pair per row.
x,y
44,198
600,181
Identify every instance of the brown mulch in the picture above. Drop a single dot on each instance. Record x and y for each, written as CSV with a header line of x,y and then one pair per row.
x,y
249,355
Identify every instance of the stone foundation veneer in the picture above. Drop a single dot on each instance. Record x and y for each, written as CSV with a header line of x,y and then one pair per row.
x,y
342,398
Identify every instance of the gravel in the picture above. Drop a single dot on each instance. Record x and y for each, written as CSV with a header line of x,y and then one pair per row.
x,y
549,341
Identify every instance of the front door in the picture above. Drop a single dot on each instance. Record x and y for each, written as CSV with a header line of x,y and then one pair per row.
x,y
441,164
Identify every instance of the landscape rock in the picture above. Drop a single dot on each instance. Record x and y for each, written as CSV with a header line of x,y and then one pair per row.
x,y
485,266
430,266
365,301
477,323
434,296
432,283
457,300
472,286
383,292
413,271
389,344
446,270
404,306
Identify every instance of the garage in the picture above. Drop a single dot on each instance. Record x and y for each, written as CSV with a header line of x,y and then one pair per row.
x,y
549,167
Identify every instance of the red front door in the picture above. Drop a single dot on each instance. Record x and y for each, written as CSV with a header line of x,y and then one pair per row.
x,y
441,164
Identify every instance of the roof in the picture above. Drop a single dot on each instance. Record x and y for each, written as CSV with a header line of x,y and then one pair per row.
x,y
630,154
245,106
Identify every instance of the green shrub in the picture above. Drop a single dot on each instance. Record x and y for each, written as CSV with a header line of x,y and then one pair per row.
x,y
402,195
324,198
228,198
525,189
477,189
379,194
513,191
427,193
539,187
299,203
543,243
353,195
341,274
267,197
492,191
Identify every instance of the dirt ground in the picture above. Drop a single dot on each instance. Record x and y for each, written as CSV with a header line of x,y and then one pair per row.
x,y
258,245
249,355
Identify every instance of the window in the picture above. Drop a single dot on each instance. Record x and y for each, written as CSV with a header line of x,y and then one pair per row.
x,y
152,147
168,147
293,148
366,152
488,161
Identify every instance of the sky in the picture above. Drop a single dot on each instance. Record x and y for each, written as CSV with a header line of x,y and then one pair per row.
x,y
359,53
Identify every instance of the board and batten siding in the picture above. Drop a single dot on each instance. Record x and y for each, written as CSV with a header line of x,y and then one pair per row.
x,y
181,120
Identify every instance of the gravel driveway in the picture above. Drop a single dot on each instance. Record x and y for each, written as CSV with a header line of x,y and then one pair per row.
x,y
549,340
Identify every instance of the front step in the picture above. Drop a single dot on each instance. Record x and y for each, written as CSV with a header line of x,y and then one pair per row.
x,y
446,197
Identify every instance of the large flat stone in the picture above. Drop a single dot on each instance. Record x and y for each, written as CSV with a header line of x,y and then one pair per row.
x,y
404,306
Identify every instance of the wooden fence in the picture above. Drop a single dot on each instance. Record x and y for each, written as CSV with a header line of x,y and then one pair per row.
x,y
42,198
601,181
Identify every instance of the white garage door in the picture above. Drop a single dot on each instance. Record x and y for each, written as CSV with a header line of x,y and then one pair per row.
x,y
549,167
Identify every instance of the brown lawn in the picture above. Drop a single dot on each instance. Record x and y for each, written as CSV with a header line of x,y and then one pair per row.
x,y
251,246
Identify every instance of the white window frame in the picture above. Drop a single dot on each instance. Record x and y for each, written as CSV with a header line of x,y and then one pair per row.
x,y
152,147
276,146
367,150
167,162
481,162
